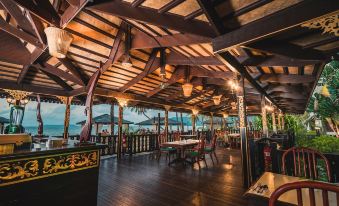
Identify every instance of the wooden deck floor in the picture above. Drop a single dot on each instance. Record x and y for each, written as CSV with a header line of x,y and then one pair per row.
x,y
144,181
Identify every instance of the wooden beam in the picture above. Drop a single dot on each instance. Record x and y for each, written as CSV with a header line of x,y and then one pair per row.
x,y
232,63
175,59
23,74
72,11
113,55
271,24
18,15
42,9
212,16
58,72
143,41
287,78
179,73
271,61
152,64
150,16
287,50
77,72
32,88
19,34
137,3
38,27
285,88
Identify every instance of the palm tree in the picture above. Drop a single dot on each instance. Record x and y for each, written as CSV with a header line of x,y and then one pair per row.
x,y
140,110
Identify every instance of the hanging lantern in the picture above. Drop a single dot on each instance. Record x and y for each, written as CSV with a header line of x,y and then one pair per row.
x,y
122,101
126,61
58,41
187,89
225,115
217,99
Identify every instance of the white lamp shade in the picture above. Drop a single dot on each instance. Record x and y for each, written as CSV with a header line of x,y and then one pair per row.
x,y
187,89
58,41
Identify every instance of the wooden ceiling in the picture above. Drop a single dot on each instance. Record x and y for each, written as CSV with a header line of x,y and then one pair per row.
x,y
261,39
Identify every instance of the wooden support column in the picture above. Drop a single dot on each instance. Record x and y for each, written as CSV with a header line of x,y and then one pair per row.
x,y
279,121
112,118
182,123
264,116
159,124
282,121
67,116
211,123
120,117
245,158
39,118
274,126
167,108
193,123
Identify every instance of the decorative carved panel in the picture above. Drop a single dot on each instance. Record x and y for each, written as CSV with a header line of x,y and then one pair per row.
x,y
329,24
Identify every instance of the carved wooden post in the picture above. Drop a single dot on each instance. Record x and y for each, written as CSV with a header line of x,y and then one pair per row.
x,y
282,121
279,121
159,124
193,123
86,130
274,126
67,101
120,118
246,165
264,116
182,123
39,118
167,108
112,118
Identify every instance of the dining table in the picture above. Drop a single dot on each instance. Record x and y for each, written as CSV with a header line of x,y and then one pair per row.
x,y
181,146
188,136
260,192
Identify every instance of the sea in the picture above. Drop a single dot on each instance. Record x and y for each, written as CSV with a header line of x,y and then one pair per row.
x,y
58,130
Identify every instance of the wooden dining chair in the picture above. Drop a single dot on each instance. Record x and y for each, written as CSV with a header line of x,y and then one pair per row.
x,y
197,154
165,150
311,186
210,149
305,163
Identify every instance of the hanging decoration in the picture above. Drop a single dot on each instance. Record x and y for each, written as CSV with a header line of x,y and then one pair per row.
x,y
225,115
17,97
234,84
58,41
122,101
39,118
125,59
187,87
328,24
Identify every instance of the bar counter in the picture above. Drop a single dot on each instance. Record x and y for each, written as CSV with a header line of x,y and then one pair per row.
x,y
66,175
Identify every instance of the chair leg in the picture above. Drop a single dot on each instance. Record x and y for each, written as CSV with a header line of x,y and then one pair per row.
x,y
169,158
212,158
198,162
205,161
215,154
159,155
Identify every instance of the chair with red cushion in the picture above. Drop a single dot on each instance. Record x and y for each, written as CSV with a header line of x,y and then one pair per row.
x,y
198,153
305,163
210,149
165,150
311,197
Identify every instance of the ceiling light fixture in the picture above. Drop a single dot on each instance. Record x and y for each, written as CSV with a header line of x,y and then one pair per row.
x,y
58,41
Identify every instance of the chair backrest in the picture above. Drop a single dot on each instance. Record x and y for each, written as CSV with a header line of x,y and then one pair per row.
x,y
201,145
161,138
176,136
305,162
311,185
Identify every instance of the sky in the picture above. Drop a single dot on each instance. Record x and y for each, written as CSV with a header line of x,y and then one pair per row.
x,y
54,114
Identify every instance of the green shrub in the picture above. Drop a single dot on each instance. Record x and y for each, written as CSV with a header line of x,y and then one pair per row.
x,y
325,143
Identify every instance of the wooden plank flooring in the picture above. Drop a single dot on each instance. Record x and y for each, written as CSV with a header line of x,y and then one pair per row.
x,y
142,181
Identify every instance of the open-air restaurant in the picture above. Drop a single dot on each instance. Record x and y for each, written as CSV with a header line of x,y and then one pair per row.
x,y
169,102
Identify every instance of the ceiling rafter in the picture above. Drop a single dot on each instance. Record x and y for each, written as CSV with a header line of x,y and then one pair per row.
x,y
43,9
152,64
150,16
274,23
